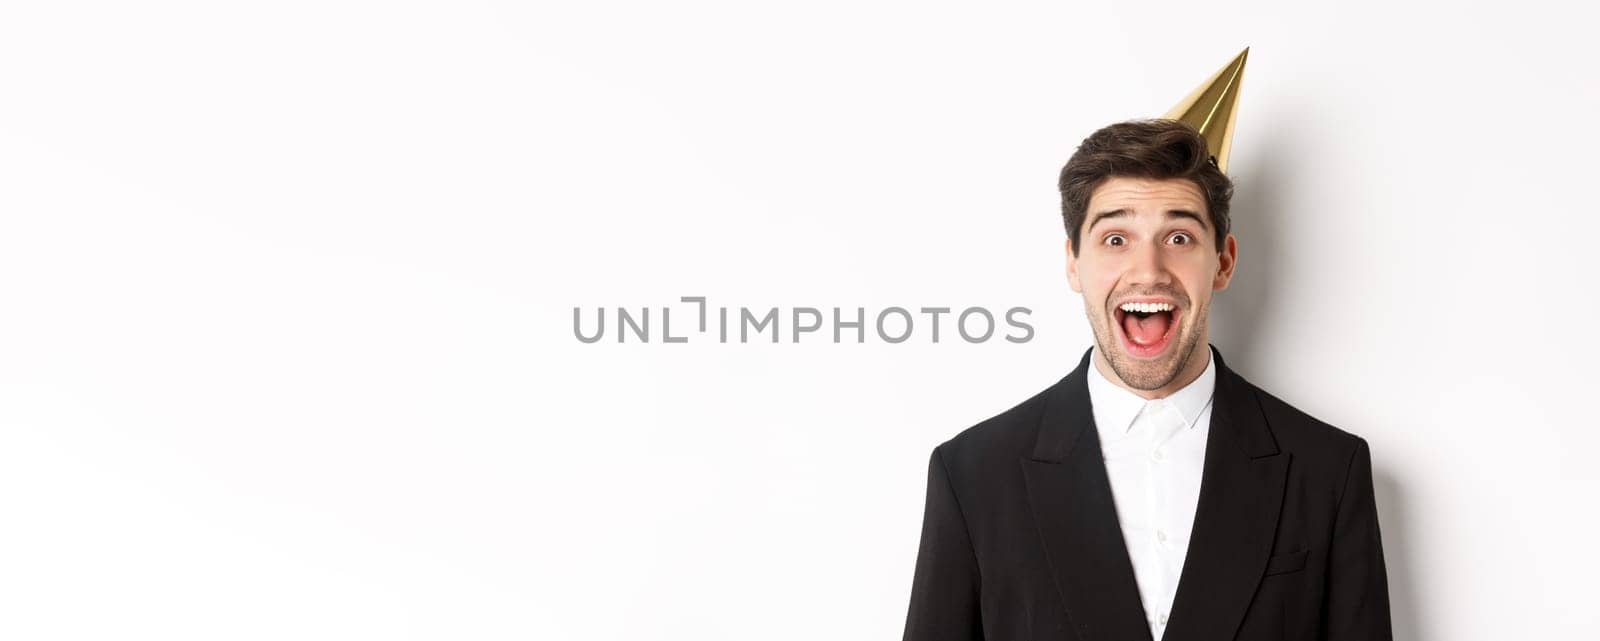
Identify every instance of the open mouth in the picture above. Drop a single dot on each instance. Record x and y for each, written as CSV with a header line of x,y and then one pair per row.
x,y
1145,328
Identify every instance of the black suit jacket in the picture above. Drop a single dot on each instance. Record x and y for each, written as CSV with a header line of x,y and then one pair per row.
x,y
1020,538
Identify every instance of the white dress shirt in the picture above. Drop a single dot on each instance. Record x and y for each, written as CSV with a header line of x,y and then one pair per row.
x,y
1154,452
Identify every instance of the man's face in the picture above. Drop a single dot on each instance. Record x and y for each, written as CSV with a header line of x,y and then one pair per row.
x,y
1146,266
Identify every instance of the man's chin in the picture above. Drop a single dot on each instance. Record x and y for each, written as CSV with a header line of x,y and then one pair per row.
x,y
1143,375
1148,373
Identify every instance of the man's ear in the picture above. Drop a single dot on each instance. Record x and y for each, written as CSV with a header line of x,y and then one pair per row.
x,y
1226,260
1072,268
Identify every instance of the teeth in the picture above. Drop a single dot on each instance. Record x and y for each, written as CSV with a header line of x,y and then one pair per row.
x,y
1146,307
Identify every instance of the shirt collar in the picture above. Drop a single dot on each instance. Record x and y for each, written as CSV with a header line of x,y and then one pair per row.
x,y
1115,407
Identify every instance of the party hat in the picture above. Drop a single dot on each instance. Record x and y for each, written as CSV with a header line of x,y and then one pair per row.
x,y
1212,107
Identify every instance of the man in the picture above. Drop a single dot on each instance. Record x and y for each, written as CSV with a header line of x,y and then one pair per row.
x,y
1152,493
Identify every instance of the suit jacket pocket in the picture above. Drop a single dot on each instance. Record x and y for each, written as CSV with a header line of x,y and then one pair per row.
x,y
1281,563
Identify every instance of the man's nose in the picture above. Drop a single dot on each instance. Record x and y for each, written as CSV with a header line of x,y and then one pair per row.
x,y
1149,266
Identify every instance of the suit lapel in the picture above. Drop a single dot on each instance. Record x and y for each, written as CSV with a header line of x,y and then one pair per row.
x,y
1070,495
1241,491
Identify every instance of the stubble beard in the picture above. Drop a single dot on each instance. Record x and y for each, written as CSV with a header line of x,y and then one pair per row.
x,y
1147,375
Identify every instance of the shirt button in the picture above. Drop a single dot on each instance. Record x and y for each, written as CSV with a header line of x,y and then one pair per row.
x,y
1161,536
1163,619
1156,455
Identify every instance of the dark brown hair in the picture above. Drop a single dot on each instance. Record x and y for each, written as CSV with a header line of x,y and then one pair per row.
x,y
1156,149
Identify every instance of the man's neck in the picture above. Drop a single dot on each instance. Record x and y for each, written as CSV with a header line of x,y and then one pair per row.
x,y
1192,369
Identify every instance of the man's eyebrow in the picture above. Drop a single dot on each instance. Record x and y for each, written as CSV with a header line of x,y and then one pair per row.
x,y
1184,213
1104,215
1171,213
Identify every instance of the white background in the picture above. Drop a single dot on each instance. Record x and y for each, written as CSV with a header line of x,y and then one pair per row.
x,y
286,296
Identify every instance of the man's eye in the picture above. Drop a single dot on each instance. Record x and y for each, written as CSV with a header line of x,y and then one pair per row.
x,y
1116,240
1182,238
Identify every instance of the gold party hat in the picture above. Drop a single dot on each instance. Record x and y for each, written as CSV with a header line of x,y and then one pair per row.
x,y
1212,106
